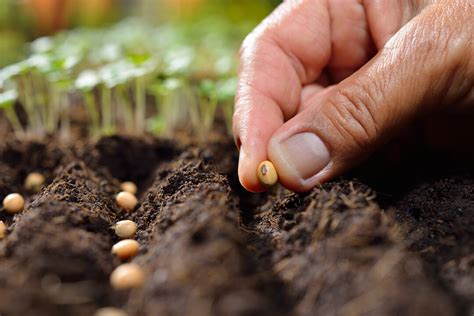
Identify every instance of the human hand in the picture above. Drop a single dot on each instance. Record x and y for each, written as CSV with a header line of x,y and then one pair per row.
x,y
323,83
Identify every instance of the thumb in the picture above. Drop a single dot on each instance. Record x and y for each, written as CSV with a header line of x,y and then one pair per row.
x,y
418,70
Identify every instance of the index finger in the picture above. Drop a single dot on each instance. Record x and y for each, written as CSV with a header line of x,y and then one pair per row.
x,y
288,50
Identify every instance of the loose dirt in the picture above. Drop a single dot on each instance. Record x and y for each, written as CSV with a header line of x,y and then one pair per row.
x,y
398,243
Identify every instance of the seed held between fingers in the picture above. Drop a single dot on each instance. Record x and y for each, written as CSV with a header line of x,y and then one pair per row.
x,y
126,249
126,200
3,230
34,181
13,203
125,229
267,174
127,276
110,311
129,187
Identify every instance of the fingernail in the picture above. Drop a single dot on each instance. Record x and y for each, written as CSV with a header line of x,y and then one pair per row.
x,y
304,154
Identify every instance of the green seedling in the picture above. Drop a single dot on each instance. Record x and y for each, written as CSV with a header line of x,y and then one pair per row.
x,y
111,76
157,124
86,82
60,112
114,71
170,110
42,45
58,73
206,107
7,104
177,60
143,66
17,74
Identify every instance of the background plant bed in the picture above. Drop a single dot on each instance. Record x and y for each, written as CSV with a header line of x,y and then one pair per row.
x,y
404,247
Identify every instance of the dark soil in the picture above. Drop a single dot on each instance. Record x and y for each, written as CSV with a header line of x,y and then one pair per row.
x,y
397,243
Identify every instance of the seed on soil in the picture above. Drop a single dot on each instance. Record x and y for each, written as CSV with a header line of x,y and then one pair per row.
x,y
110,311
125,228
127,276
126,200
3,230
267,174
129,187
34,181
13,203
126,249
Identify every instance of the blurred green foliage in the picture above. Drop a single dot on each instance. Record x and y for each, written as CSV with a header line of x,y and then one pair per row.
x,y
187,69
186,62
18,22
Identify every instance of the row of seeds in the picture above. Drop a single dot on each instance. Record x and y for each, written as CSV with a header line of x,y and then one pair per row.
x,y
126,275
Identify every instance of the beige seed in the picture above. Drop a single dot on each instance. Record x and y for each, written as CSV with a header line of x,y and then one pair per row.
x,y
14,203
125,249
34,181
126,200
110,311
125,228
127,276
3,230
267,174
129,187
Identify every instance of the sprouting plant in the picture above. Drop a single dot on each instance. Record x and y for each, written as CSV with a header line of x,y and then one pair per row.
x,y
111,76
157,124
17,74
7,104
116,70
86,82
118,78
204,119
170,111
58,71
143,66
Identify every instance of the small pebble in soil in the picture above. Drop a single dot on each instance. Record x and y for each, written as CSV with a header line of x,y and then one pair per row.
x,y
3,230
267,174
125,228
126,249
13,203
34,181
129,187
127,276
126,200
110,311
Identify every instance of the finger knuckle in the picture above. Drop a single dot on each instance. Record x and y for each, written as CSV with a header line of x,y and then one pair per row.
x,y
252,41
352,115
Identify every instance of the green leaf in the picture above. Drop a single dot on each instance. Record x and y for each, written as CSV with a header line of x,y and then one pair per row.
x,y
41,62
116,73
14,70
207,87
157,125
8,98
87,80
166,86
172,84
178,60
226,89
42,45
110,52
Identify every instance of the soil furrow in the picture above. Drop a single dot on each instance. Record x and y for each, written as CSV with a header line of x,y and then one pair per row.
x,y
210,248
197,257
56,260
339,254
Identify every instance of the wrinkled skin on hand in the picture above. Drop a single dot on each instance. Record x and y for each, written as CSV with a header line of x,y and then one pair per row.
x,y
323,83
